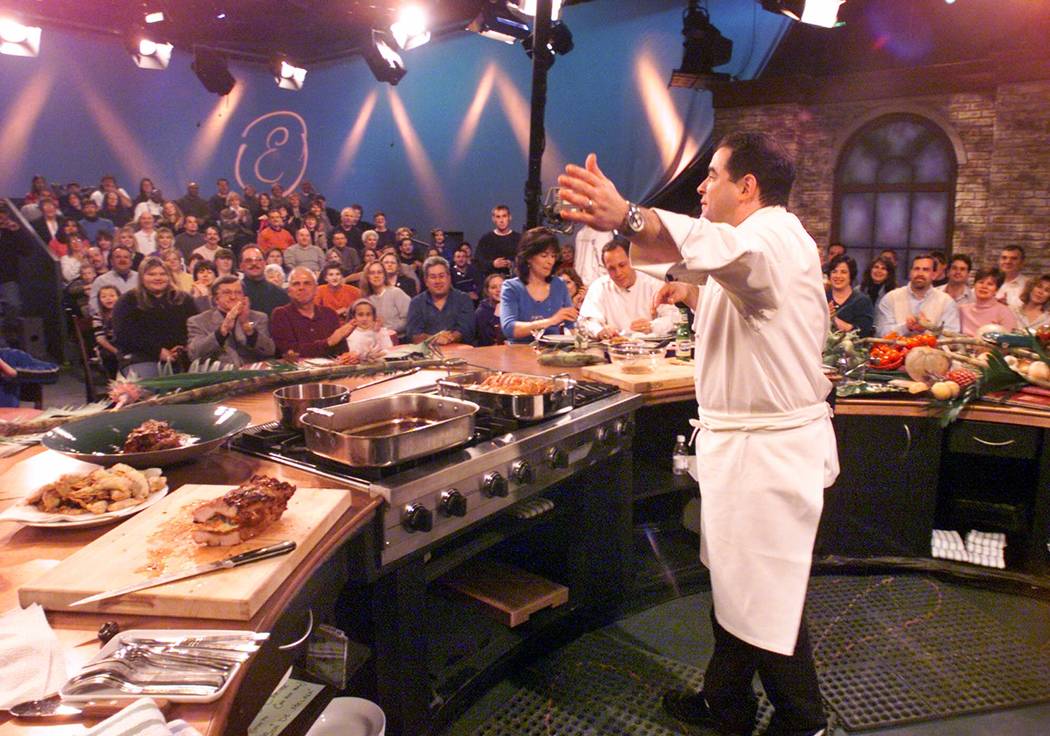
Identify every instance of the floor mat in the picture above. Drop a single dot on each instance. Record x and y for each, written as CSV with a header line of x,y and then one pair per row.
x,y
897,649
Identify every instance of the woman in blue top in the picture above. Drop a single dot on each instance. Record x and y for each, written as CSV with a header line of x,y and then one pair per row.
x,y
535,300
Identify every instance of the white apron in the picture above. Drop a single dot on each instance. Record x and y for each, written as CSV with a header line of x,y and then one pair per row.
x,y
762,480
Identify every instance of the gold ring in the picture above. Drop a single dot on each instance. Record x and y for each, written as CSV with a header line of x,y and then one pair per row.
x,y
590,205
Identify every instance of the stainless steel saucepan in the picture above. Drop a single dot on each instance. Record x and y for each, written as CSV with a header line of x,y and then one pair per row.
x,y
293,401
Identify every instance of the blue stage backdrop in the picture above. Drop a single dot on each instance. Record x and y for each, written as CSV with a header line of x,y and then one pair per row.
x,y
440,149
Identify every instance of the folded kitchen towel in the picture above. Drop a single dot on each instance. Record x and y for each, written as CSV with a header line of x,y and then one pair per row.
x,y
32,665
142,718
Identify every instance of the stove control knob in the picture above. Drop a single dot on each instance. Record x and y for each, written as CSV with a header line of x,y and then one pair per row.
x,y
601,435
417,518
494,484
622,427
557,458
453,503
521,472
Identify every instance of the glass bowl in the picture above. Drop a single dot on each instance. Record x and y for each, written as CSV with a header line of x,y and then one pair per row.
x,y
633,357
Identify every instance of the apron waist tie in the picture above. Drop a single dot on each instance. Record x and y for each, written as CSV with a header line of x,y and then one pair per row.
x,y
715,422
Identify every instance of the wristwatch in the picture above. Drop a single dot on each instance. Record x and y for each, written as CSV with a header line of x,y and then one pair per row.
x,y
634,222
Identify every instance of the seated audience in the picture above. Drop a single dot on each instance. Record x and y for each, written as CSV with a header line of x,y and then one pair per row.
x,y
49,224
303,328
69,230
397,275
221,199
622,300
304,253
587,258
91,223
191,238
1034,311
986,309
76,294
391,303
194,204
235,223
834,250
335,294
535,301
232,331
958,284
440,312
487,328
917,306
349,258
369,340
107,184
212,243
276,258
114,210
850,308
149,322
406,253
465,276
120,275
575,285
75,257
879,278
1011,261
940,271
273,234
262,294
204,275
224,259
183,281
165,241
102,326
274,274
386,237
171,217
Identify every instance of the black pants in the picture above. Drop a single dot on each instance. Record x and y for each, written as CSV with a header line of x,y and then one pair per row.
x,y
789,682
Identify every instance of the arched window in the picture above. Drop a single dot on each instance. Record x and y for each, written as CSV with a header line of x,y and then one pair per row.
x,y
895,188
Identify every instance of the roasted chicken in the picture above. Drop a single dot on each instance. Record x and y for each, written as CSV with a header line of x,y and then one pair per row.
x,y
242,513
153,434
515,383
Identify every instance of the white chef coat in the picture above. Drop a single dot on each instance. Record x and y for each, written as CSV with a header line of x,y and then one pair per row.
x,y
587,254
607,304
766,448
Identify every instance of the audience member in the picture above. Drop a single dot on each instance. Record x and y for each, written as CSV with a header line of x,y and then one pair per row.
x,y
573,282
917,306
318,235
232,331
386,236
535,301
487,328
145,235
940,271
349,225
588,253
91,223
349,258
120,275
191,238
50,221
890,255
303,328
149,322
149,200
76,294
114,210
391,302
98,259
1011,261
622,300
440,312
102,327
204,275
304,253
14,244
274,274
406,253
224,260
335,294
1034,311
497,248
171,217
370,256
834,250
850,308
182,280
276,258
262,209
193,203
235,223
263,295
397,275
958,284
75,256
273,234
369,340
220,200
212,243
68,232
72,206
986,309
465,276
108,184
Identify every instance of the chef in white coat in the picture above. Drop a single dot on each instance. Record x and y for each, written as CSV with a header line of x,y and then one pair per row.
x,y
766,448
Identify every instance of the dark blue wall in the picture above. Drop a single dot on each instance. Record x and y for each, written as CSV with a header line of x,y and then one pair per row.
x,y
439,149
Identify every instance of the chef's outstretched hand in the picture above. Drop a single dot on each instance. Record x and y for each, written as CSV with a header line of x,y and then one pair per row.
x,y
594,197
676,292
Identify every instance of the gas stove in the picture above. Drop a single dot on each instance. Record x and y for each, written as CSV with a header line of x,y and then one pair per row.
x,y
504,463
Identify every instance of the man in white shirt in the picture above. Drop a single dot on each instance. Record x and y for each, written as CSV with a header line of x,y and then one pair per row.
x,y
588,261
917,306
766,448
958,286
146,236
1011,260
620,301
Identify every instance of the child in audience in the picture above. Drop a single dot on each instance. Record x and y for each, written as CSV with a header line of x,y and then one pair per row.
x,y
102,325
368,341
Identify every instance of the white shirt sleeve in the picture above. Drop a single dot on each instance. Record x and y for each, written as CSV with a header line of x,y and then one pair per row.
x,y
950,317
884,323
592,316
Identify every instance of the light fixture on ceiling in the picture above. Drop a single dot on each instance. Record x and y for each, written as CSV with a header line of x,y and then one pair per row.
x,y
146,52
410,29
559,42
155,17
213,71
384,61
704,48
823,13
17,39
528,7
497,20
286,75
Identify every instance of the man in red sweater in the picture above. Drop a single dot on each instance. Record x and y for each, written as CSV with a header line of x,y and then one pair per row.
x,y
303,328
273,234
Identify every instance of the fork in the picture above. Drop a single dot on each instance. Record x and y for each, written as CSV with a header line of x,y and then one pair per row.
x,y
174,659
106,681
127,672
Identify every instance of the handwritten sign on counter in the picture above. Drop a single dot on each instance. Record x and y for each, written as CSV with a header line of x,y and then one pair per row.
x,y
283,706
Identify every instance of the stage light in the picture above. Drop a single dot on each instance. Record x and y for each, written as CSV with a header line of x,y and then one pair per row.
x,y
147,53
528,7
704,48
157,17
824,13
17,39
498,22
286,75
213,71
386,64
559,42
410,28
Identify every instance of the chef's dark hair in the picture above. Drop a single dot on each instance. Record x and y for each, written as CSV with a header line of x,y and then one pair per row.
x,y
533,242
760,155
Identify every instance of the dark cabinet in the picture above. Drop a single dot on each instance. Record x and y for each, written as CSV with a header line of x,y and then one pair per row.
x,y
885,498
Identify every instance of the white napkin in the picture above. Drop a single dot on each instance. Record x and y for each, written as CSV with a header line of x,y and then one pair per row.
x,y
31,662
142,718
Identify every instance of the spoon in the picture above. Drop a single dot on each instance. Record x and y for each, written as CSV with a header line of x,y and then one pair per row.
x,y
53,707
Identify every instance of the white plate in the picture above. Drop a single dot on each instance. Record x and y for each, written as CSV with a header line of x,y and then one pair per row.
x,y
350,717
112,645
25,513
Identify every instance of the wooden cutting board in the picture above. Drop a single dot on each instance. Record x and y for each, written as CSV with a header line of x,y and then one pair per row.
x,y
157,541
664,376
507,593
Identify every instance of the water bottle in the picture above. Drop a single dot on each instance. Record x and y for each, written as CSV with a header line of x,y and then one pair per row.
x,y
683,341
680,456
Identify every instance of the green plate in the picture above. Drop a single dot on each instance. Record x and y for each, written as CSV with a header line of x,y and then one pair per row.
x,y
98,438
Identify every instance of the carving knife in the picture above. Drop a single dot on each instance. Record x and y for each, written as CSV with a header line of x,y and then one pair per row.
x,y
254,555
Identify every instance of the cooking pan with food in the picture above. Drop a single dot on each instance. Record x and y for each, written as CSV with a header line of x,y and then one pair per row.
x,y
521,396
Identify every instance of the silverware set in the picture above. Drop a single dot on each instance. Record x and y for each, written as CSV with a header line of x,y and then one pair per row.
x,y
196,666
